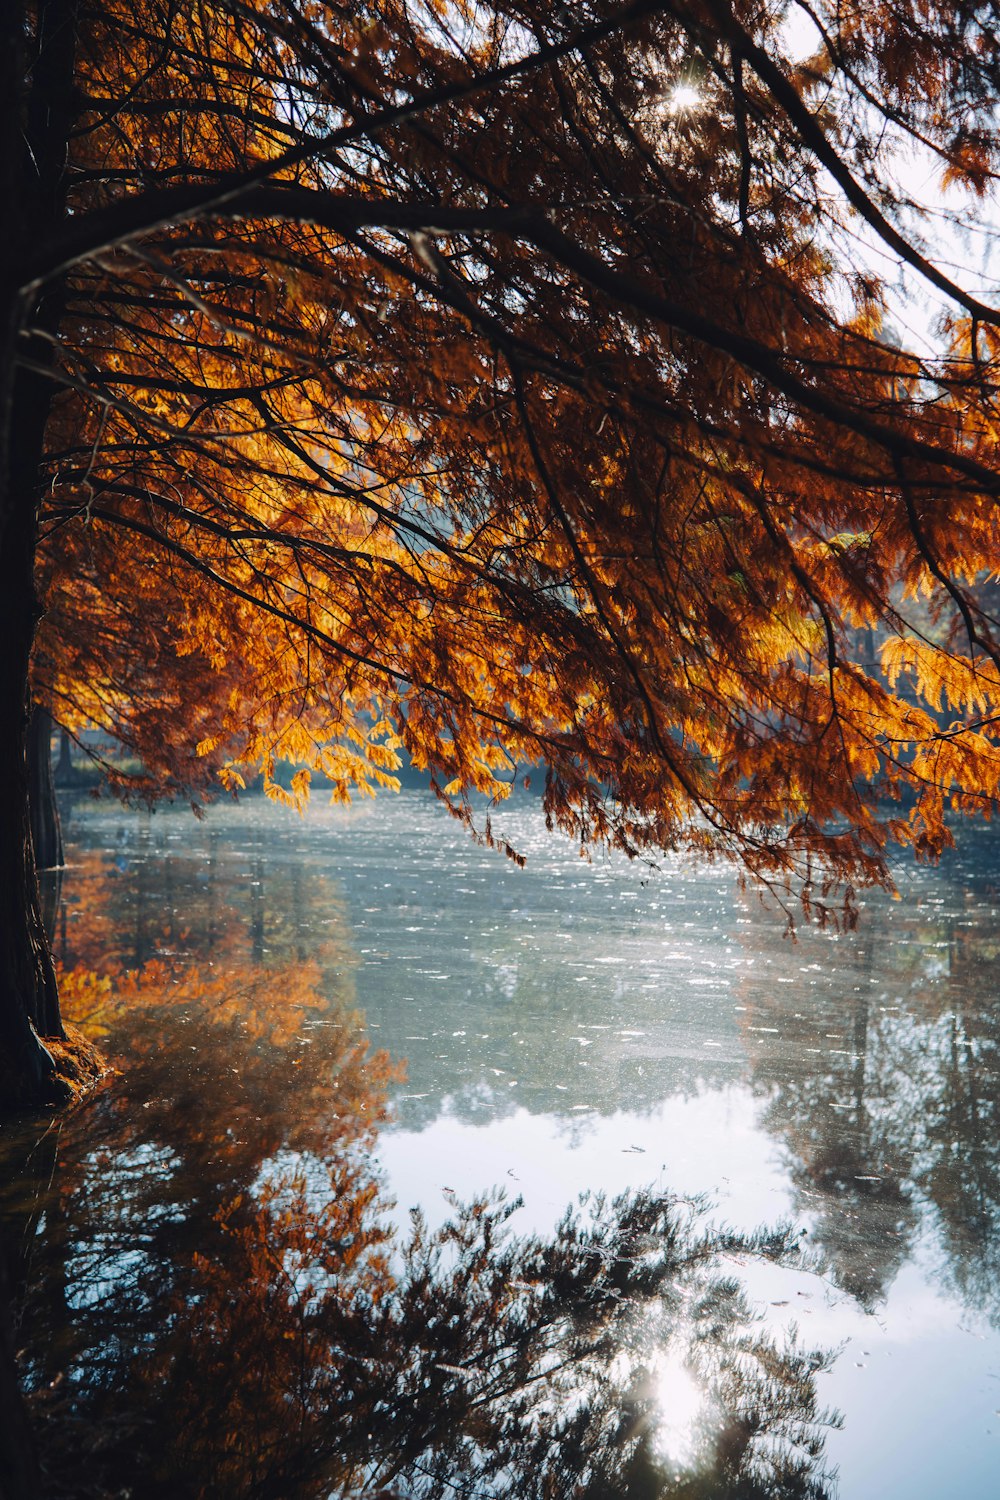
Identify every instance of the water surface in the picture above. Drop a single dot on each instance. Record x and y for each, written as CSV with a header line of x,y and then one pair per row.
x,y
568,1027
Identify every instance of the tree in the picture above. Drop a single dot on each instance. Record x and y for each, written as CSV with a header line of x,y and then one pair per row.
x,y
510,383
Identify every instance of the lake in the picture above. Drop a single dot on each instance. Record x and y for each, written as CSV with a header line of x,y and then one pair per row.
x,y
571,1028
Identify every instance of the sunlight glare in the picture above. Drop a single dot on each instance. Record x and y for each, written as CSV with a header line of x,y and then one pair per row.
x,y
681,1402
684,97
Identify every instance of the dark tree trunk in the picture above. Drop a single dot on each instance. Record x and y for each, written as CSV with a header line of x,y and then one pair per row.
x,y
65,772
29,1003
37,51
46,830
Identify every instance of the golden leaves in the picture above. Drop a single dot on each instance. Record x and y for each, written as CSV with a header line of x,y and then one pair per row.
x,y
643,502
943,678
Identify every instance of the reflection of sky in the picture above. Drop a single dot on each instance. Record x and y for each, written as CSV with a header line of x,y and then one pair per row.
x,y
596,1027
548,1160
131,1183
919,1382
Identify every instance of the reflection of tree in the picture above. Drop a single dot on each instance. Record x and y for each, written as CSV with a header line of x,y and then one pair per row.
x,y
888,1099
957,1147
301,1349
157,888
455,942
208,1274
18,1460
106,1229
847,1157
484,1364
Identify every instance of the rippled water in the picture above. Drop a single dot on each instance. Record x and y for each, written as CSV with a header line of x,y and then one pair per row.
x,y
567,1027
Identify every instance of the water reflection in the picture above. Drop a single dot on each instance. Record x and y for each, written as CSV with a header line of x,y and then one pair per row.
x,y
885,1090
572,991
207,1271
208,1276
566,1020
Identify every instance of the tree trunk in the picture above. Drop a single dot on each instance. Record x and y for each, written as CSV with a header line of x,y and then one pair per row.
x,y
46,830
29,1003
36,103
65,772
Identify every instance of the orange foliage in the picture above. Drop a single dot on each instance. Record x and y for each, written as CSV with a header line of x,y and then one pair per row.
x,y
537,421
